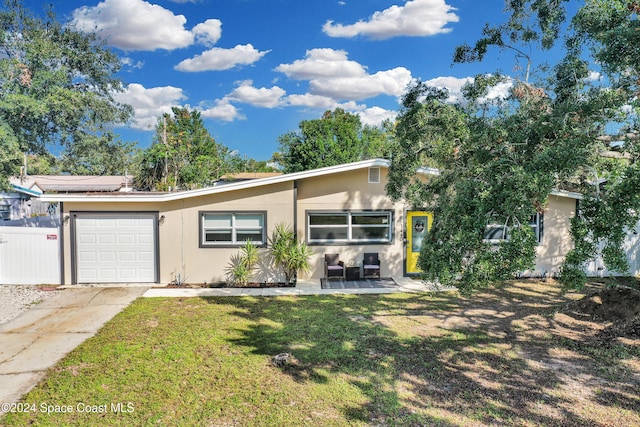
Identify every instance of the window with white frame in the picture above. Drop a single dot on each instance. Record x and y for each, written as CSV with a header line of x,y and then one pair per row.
x,y
349,227
232,228
374,175
495,233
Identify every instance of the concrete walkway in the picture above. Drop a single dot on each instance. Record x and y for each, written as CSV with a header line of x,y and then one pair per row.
x,y
303,287
37,339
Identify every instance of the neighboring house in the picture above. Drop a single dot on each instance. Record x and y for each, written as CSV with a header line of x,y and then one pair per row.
x,y
16,204
77,183
134,237
22,206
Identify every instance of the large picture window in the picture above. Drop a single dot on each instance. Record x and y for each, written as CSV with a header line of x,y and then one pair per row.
x,y
232,228
495,233
349,227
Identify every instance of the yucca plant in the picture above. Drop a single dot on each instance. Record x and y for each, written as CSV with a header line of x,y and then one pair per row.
x,y
291,256
244,264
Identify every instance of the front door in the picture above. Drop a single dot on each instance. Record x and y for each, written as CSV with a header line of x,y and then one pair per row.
x,y
417,225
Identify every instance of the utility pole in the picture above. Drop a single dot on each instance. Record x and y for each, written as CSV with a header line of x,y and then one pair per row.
x,y
166,150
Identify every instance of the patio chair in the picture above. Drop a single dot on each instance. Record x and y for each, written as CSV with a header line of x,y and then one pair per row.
x,y
333,267
371,265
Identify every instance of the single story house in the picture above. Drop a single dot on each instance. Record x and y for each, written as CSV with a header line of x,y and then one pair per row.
x,y
191,236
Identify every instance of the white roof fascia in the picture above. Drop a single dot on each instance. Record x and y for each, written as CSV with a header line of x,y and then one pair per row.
x,y
132,197
568,194
429,171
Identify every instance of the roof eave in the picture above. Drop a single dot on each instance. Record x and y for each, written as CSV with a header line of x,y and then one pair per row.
x,y
568,194
241,185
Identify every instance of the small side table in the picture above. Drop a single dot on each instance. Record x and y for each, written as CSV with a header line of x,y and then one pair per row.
x,y
352,273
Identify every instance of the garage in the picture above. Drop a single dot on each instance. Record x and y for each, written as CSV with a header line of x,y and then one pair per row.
x,y
115,247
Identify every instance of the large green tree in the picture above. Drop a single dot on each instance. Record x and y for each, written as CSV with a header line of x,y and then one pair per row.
x,y
500,161
103,154
610,30
336,138
183,154
57,86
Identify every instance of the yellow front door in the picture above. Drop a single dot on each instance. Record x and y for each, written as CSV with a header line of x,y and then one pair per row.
x,y
418,224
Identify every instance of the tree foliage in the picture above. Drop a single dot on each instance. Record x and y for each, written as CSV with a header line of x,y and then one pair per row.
x,y
98,155
611,32
337,138
57,85
530,22
500,161
183,155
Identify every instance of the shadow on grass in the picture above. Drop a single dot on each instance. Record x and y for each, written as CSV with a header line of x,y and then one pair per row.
x,y
498,357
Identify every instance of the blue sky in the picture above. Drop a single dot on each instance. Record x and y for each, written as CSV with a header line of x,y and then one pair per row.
x,y
256,68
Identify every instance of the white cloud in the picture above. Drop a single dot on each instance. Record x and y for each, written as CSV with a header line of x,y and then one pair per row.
x,y
222,110
452,84
374,116
500,91
208,32
259,97
455,84
131,63
312,101
134,25
391,82
149,103
222,59
415,18
322,63
331,74
594,76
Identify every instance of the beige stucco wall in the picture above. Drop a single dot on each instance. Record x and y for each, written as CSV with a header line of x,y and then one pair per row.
x,y
556,240
180,253
179,250
351,191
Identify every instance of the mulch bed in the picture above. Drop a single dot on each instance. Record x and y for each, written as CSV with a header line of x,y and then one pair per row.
x,y
229,285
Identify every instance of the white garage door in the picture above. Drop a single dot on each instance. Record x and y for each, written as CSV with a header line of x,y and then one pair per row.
x,y
115,248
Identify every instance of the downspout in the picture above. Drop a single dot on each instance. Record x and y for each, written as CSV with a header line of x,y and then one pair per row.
x,y
61,260
295,209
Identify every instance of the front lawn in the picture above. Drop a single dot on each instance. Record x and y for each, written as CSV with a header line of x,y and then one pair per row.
x,y
511,356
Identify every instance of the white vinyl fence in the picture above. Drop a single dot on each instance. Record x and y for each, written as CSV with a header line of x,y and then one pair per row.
x,y
29,256
631,247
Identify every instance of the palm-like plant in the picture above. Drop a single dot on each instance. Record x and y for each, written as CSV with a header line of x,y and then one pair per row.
x,y
243,265
288,254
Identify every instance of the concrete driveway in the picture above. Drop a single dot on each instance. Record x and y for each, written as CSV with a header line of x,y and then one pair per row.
x,y
37,339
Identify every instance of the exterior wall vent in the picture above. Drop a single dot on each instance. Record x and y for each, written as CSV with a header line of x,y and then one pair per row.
x,y
374,175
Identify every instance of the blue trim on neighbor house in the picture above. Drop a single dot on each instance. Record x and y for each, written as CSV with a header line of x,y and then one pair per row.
x,y
26,191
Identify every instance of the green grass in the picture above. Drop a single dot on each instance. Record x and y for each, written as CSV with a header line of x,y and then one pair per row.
x,y
358,360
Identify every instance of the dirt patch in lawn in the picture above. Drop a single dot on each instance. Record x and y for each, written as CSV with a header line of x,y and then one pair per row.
x,y
528,353
618,308
608,305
